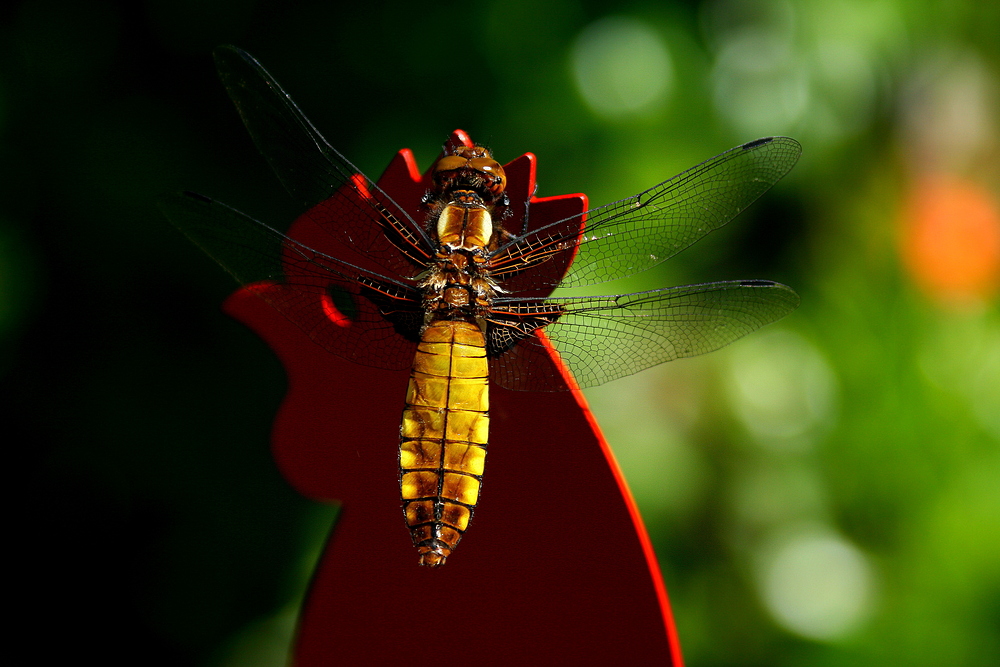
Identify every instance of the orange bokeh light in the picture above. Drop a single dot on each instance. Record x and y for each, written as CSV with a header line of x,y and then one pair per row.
x,y
951,239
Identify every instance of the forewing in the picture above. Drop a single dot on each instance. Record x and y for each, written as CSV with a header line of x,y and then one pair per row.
x,y
310,169
353,312
639,232
604,338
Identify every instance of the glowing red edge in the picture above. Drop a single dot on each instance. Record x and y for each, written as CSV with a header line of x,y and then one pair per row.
x,y
640,527
331,438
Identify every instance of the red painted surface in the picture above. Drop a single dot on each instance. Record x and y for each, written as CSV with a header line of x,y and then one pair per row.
x,y
580,587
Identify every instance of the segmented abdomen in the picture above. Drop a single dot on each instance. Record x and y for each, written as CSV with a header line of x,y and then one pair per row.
x,y
443,437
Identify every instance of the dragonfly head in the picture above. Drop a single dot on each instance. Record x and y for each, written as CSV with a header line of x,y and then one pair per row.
x,y
471,169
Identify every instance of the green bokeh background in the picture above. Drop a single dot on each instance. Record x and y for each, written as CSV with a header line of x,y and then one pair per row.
x,y
824,492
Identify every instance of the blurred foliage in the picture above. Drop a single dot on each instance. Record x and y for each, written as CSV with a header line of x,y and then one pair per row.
x,y
825,492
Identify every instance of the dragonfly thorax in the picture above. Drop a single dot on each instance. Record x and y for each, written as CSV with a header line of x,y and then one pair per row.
x,y
458,284
468,184
462,226
475,309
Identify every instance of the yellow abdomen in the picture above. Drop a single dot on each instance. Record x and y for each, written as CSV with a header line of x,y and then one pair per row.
x,y
443,437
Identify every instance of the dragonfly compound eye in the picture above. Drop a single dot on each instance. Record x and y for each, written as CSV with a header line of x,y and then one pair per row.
x,y
474,169
449,163
492,173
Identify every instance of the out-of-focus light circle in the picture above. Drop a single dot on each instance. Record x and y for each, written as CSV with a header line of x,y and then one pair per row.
x,y
960,354
951,239
621,67
845,89
948,110
759,84
780,387
813,69
816,584
664,471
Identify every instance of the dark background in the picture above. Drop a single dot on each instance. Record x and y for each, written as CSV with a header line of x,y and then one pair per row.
x,y
851,452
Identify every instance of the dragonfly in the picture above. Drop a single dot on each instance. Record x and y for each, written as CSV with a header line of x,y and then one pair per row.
x,y
457,287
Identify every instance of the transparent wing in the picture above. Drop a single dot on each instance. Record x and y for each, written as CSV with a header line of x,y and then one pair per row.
x,y
362,303
354,312
312,170
604,338
634,234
